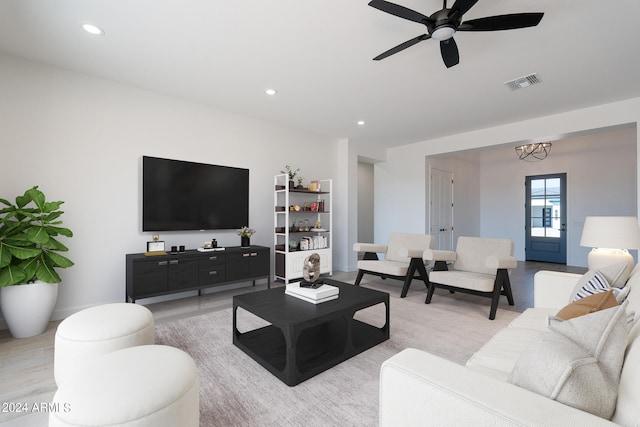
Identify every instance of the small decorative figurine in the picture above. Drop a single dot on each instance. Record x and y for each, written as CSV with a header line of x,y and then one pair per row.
x,y
311,272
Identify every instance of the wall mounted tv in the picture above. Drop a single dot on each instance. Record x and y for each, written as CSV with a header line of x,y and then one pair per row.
x,y
180,195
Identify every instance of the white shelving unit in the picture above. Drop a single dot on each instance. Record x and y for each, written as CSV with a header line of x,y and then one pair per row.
x,y
296,234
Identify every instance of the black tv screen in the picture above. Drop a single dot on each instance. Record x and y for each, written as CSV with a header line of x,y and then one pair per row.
x,y
180,195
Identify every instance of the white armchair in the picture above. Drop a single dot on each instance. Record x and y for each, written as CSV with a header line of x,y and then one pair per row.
x,y
480,267
403,259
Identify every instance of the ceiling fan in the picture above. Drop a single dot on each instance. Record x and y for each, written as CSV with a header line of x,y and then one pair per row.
x,y
443,24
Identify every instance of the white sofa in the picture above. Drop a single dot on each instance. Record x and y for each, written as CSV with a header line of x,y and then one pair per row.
x,y
418,388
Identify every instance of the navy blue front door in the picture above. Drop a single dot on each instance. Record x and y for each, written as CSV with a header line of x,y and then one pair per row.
x,y
546,218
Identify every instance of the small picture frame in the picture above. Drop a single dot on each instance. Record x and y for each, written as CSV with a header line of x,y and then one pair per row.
x,y
155,246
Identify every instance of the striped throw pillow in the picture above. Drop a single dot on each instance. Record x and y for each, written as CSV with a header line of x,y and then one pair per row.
x,y
596,284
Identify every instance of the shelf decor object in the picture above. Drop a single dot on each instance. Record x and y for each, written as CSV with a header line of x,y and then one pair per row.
x,y
294,238
610,237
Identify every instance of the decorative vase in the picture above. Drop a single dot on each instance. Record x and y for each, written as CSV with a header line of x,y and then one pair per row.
x,y
245,241
27,308
292,184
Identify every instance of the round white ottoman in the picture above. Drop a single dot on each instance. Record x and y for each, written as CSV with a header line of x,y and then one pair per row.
x,y
149,385
99,330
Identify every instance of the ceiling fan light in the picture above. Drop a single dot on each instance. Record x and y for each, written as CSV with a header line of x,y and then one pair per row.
x,y
443,33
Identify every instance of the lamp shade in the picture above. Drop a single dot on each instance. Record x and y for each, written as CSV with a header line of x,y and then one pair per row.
x,y
616,232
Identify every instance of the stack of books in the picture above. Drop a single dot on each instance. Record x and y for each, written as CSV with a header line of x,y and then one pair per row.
x,y
315,296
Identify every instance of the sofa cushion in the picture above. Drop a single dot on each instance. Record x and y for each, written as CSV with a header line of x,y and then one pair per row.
x,y
589,304
578,361
391,268
464,279
534,318
499,355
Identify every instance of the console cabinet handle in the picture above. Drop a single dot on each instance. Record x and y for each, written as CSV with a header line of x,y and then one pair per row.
x,y
254,254
213,258
174,261
213,273
162,262
246,255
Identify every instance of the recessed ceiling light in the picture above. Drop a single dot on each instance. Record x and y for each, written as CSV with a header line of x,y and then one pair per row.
x,y
270,91
361,123
93,29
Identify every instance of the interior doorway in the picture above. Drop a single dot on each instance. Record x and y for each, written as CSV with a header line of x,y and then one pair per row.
x,y
365,202
546,218
441,209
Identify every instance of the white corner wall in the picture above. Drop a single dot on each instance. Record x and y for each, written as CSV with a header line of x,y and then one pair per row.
x,y
81,140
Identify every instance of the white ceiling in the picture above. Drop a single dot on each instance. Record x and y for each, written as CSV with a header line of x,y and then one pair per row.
x,y
318,55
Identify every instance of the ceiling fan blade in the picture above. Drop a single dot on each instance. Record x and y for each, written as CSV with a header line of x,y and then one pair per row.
x,y
449,51
502,22
460,7
400,11
402,46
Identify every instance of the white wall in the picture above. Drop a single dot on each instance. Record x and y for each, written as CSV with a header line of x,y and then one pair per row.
x,y
400,196
81,140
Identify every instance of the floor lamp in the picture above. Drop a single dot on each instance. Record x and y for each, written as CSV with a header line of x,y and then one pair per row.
x,y
610,237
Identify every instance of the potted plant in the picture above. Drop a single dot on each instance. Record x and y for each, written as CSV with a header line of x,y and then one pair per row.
x,y
28,261
245,234
292,175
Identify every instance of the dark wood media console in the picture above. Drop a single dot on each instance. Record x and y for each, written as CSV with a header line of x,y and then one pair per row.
x,y
150,276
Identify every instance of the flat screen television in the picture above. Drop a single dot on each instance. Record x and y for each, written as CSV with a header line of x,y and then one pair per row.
x,y
179,195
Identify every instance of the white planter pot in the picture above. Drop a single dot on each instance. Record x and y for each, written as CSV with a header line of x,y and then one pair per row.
x,y
27,308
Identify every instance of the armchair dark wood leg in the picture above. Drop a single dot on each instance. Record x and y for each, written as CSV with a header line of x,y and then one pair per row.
x,y
359,277
423,272
409,278
495,298
430,291
506,284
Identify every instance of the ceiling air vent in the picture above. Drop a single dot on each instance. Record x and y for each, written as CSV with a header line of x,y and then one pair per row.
x,y
524,81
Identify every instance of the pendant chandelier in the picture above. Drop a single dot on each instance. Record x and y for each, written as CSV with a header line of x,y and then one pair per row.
x,y
534,151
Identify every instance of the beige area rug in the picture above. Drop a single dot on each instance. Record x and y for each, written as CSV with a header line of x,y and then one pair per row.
x,y
236,391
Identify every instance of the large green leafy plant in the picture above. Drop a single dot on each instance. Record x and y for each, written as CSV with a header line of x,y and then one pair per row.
x,y
28,244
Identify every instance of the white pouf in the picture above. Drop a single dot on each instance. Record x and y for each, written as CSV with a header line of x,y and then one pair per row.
x,y
99,330
150,385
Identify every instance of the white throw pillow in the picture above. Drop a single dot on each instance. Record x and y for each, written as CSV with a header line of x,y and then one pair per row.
x,y
578,361
616,274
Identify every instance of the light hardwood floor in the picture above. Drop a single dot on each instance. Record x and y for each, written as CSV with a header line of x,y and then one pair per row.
x,y
26,365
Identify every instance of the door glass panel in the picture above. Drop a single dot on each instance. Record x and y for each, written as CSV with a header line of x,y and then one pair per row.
x,y
545,208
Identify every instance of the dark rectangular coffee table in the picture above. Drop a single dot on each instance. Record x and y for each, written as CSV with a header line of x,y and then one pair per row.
x,y
304,339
